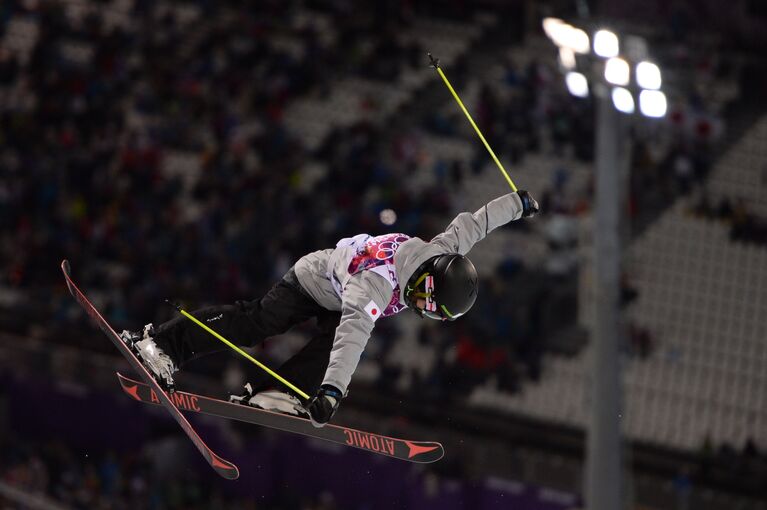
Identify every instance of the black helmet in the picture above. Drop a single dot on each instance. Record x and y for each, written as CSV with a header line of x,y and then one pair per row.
x,y
448,283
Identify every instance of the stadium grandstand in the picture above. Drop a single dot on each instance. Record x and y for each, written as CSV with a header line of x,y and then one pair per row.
x,y
194,150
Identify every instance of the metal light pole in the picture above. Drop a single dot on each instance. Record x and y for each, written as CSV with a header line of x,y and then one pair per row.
x,y
602,65
604,474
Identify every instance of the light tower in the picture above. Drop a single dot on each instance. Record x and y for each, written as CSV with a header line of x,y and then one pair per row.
x,y
617,72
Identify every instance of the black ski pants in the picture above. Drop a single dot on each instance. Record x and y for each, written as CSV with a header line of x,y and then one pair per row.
x,y
247,323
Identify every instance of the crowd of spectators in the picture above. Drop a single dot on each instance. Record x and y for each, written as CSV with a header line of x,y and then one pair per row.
x,y
745,463
121,480
89,134
152,152
745,225
99,112
91,118
149,147
69,477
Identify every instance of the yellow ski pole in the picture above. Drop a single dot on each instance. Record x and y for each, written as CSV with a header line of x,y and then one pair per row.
x,y
435,65
239,351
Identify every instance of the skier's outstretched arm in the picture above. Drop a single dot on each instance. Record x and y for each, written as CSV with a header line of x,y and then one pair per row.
x,y
365,297
468,229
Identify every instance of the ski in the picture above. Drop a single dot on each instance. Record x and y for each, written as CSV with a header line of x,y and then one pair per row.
x,y
411,451
223,467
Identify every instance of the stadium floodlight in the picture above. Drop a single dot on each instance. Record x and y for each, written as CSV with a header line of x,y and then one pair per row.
x,y
577,84
623,100
623,55
606,44
648,75
617,71
579,41
558,31
652,103
567,58
565,35
551,27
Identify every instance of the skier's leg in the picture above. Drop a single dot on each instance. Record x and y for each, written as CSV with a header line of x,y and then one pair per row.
x,y
244,323
307,367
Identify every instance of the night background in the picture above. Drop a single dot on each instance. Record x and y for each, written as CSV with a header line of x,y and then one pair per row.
x,y
194,150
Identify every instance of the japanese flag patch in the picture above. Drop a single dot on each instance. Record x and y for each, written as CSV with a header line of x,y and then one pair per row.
x,y
373,311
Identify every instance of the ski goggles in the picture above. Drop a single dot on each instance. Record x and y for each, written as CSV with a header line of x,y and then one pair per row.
x,y
431,309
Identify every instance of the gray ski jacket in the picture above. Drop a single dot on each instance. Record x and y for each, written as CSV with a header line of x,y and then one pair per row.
x,y
367,289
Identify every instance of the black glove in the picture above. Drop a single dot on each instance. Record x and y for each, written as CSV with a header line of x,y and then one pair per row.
x,y
529,205
324,405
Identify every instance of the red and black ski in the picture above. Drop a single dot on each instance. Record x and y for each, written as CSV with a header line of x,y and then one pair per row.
x,y
420,452
223,467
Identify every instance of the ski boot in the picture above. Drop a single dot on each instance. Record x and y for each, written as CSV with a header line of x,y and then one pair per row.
x,y
159,364
271,400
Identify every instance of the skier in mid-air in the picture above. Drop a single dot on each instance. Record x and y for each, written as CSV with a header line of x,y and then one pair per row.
x,y
347,288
